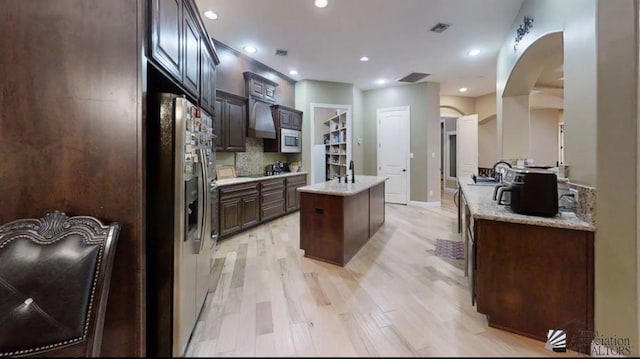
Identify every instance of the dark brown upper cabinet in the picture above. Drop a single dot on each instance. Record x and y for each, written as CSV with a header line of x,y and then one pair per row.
x,y
166,35
283,117
191,74
286,117
207,81
180,45
296,120
230,122
260,87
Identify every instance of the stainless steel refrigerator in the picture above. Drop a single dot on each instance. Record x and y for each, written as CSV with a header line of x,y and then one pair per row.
x,y
181,220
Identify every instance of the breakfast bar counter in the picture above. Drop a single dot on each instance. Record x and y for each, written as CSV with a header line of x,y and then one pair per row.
x,y
337,219
478,198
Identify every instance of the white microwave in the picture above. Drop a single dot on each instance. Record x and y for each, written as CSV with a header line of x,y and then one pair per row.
x,y
290,141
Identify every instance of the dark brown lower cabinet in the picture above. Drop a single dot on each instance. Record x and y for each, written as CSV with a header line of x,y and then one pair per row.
x,y
272,198
239,207
245,205
293,197
529,279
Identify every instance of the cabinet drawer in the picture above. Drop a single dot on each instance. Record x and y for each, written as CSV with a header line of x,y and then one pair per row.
x,y
296,180
239,190
273,184
269,197
272,210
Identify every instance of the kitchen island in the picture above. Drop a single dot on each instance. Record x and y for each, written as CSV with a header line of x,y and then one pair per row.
x,y
529,274
337,219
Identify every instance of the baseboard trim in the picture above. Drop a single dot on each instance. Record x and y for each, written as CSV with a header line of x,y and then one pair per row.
x,y
424,204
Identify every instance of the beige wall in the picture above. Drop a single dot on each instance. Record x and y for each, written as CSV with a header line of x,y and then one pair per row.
x,y
424,102
357,153
616,243
486,107
488,143
600,116
465,105
543,137
542,100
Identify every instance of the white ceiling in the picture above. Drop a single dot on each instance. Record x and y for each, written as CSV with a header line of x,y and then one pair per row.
x,y
326,44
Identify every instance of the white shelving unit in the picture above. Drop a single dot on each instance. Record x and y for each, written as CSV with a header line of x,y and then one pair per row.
x,y
337,145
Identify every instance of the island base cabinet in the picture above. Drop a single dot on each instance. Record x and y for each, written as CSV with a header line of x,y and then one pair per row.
x,y
529,279
376,208
334,228
322,217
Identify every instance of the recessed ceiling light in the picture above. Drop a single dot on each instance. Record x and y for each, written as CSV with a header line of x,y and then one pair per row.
x,y
381,81
293,72
250,49
211,15
320,3
474,52
364,59
463,89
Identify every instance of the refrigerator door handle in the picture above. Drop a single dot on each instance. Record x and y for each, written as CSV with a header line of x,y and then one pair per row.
x,y
204,200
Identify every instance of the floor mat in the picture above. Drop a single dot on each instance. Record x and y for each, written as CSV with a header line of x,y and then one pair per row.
x,y
449,249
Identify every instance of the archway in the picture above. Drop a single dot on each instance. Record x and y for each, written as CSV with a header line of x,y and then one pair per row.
x,y
543,54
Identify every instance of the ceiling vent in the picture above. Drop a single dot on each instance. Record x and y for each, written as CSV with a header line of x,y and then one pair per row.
x,y
440,27
413,77
280,52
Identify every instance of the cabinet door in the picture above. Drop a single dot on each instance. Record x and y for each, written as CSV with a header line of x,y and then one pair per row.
x,y
293,198
235,124
285,118
230,216
166,35
212,85
256,88
296,121
205,79
250,210
191,70
218,124
270,92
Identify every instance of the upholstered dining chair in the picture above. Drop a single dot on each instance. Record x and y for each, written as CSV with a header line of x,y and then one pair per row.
x,y
54,283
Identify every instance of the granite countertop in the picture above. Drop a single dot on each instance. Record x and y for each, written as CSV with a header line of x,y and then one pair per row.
x,y
482,206
336,188
241,179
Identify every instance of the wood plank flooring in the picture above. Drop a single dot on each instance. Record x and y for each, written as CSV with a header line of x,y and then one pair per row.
x,y
394,298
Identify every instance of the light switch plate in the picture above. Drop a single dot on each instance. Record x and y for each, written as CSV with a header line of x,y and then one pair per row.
x,y
411,155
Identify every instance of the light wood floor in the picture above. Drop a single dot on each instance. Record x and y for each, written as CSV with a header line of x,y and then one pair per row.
x,y
394,298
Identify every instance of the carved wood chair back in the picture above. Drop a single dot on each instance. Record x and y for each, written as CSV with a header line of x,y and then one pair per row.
x,y
54,283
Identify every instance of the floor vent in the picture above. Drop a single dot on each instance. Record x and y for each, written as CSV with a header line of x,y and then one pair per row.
x,y
413,77
440,27
281,52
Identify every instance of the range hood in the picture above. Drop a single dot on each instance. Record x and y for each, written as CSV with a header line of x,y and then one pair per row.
x,y
262,94
261,123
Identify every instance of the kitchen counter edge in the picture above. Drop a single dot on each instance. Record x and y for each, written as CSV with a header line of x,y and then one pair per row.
x,y
334,188
237,180
482,206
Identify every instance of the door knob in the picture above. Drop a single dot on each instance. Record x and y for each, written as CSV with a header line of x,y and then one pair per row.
x,y
404,170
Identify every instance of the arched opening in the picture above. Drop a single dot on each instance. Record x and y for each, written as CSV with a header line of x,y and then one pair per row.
x,y
532,97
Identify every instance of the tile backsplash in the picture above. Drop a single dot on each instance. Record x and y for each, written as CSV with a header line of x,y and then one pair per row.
x,y
253,161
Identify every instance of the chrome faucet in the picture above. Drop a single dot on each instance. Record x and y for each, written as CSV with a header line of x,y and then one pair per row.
x,y
353,179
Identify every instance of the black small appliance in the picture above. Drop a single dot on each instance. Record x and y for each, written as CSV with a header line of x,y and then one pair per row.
x,y
531,192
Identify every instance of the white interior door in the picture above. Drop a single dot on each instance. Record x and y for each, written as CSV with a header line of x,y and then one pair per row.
x,y
393,152
467,146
